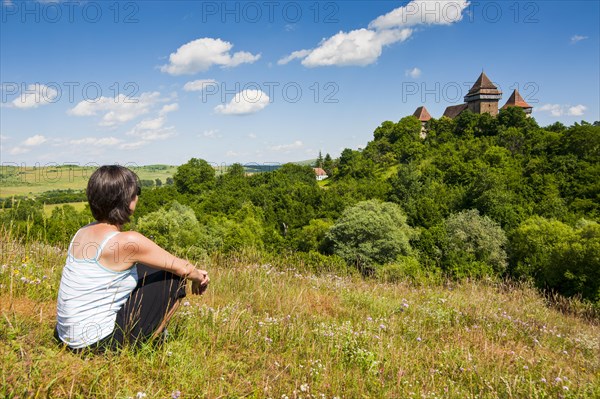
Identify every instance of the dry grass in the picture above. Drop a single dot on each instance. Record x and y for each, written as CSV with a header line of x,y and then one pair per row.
x,y
267,332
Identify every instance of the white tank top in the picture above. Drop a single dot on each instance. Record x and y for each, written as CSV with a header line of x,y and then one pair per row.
x,y
89,297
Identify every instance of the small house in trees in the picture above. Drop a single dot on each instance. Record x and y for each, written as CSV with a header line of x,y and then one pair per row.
x,y
320,174
423,115
516,100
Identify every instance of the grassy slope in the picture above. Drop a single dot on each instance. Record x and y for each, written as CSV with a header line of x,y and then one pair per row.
x,y
265,330
30,181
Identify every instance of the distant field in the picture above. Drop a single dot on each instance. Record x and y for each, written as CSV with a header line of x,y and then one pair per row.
x,y
35,180
48,208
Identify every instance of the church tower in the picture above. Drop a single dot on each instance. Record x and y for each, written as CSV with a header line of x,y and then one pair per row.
x,y
483,96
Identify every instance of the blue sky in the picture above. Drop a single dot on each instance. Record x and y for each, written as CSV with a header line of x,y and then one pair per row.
x,y
145,82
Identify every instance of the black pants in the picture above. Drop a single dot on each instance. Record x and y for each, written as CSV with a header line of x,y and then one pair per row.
x,y
153,298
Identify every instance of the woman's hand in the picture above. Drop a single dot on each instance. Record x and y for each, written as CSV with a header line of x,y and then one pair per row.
x,y
200,282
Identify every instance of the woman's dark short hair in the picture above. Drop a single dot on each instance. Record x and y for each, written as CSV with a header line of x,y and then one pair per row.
x,y
110,190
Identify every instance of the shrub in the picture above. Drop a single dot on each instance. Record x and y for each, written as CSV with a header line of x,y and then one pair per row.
x,y
474,245
559,257
371,233
176,229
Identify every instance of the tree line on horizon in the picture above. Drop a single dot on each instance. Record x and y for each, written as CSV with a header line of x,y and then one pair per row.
x,y
478,197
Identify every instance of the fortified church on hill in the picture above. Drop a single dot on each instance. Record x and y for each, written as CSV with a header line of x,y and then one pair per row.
x,y
482,98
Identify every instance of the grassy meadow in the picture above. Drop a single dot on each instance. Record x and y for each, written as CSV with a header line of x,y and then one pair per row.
x,y
30,180
269,328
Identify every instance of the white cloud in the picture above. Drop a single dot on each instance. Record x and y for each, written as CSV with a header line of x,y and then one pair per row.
x,y
18,150
244,102
116,110
199,85
557,110
34,140
200,54
133,145
423,12
295,55
287,147
95,141
577,110
231,153
211,134
251,136
152,129
363,47
413,73
26,145
34,96
4,138
577,38
168,108
358,47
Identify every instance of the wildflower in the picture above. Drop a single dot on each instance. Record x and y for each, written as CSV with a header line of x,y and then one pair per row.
x,y
557,380
382,326
169,353
418,339
176,394
140,395
525,368
565,352
369,318
405,305
566,388
186,303
543,380
268,340
304,387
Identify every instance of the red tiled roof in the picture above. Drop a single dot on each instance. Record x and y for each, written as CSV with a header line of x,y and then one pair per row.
x,y
455,110
320,172
516,100
482,83
422,114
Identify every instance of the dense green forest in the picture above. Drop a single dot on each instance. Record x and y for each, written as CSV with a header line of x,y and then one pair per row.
x,y
478,197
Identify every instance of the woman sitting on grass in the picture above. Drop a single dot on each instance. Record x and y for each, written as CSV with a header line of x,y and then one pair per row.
x,y
118,287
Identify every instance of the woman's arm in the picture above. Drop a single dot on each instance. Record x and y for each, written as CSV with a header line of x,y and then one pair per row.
x,y
138,248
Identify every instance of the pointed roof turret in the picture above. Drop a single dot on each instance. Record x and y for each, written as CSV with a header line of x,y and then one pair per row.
x,y
483,89
516,100
483,82
422,114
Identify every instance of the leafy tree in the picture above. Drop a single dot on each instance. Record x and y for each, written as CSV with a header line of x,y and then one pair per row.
x,y
371,233
353,164
176,229
64,222
517,118
158,182
319,161
170,181
328,164
312,236
558,257
474,245
194,177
